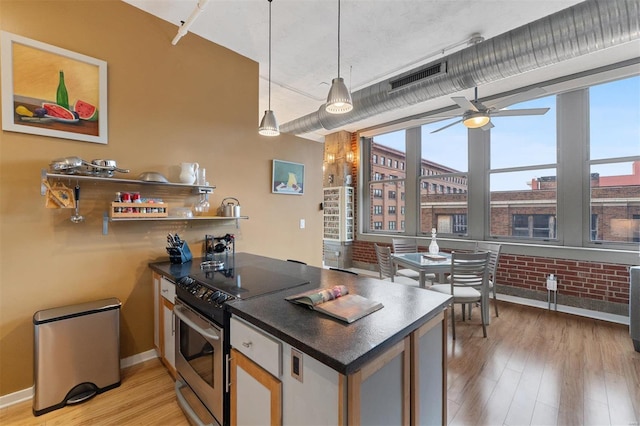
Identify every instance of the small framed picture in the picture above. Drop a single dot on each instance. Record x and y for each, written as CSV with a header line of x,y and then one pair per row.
x,y
287,178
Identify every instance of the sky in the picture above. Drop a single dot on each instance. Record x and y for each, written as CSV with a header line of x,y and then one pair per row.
x,y
614,132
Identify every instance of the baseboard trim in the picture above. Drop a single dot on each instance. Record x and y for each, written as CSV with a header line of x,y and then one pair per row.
x,y
27,394
605,316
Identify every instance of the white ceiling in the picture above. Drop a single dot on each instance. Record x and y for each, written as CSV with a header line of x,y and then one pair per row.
x,y
379,39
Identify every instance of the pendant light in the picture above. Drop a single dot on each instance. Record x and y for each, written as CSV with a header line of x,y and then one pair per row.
x,y
339,98
269,124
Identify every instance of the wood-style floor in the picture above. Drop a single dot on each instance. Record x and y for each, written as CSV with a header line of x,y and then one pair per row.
x,y
535,368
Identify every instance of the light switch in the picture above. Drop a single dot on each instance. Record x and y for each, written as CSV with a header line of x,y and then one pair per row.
x,y
302,223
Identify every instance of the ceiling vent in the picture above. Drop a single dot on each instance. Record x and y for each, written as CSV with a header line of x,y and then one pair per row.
x,y
420,75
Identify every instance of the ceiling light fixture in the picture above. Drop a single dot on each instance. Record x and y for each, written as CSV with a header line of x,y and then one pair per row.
x,y
339,98
269,124
475,119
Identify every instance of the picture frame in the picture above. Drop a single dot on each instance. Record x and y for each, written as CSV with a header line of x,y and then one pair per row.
x,y
43,84
287,178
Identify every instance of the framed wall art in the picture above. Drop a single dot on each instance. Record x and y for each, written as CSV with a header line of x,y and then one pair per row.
x,y
50,91
287,178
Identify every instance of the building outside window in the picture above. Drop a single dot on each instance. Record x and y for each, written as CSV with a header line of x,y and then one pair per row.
x,y
614,161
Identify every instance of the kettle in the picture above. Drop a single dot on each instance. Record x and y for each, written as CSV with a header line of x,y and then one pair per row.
x,y
229,209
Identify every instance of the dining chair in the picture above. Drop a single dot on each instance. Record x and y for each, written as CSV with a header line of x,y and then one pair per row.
x,y
387,269
494,250
469,275
406,245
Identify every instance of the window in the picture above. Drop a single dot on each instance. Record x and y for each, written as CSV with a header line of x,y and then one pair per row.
x,y
402,225
402,210
387,148
392,225
534,226
377,210
395,164
374,159
452,224
523,176
402,165
615,161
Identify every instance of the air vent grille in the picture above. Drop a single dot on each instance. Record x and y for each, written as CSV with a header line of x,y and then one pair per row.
x,y
429,72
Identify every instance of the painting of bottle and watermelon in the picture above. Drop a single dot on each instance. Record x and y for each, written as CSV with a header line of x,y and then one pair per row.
x,y
54,92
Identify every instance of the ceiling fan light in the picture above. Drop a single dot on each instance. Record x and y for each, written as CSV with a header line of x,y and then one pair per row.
x,y
269,124
475,120
339,98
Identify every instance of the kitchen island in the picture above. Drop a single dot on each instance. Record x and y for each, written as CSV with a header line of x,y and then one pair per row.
x,y
294,365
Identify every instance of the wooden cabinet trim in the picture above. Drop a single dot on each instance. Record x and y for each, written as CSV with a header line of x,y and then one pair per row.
x,y
238,360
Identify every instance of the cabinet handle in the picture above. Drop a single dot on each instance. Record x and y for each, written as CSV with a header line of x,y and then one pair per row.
x,y
227,366
247,344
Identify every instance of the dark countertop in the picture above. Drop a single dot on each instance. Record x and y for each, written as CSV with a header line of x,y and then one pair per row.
x,y
343,347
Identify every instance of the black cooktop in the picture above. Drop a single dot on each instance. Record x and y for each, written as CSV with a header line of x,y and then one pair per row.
x,y
247,281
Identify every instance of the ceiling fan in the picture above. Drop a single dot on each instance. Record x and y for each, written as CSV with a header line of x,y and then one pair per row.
x,y
477,115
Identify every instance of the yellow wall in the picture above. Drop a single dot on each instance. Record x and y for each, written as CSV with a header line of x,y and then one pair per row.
x,y
195,101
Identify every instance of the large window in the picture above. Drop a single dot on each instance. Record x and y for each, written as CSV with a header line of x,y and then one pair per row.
x,y
443,180
568,177
614,164
386,180
523,187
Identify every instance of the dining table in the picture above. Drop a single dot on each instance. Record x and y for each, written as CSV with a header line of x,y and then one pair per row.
x,y
438,264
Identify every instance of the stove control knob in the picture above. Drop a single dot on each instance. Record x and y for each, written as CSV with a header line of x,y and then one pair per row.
x,y
221,299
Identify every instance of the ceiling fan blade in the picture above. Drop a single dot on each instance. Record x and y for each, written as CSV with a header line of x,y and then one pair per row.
x,y
524,111
448,125
464,103
520,97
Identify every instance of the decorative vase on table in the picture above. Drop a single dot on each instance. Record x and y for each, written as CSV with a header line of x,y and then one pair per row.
x,y
433,247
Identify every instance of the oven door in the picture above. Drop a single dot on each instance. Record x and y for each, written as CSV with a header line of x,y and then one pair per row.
x,y
199,360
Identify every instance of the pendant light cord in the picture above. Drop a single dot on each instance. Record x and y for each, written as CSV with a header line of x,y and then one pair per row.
x,y
269,54
338,38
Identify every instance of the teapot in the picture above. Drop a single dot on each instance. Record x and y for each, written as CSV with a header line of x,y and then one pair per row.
x,y
188,172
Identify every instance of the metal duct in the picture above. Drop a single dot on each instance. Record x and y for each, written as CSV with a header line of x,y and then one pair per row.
x,y
579,30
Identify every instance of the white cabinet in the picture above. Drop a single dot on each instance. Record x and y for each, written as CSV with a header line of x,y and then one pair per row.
x,y
164,324
338,212
256,367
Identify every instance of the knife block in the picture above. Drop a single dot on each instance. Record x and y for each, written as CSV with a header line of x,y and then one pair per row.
x,y
180,254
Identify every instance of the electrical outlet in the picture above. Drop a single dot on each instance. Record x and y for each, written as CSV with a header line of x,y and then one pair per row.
x,y
296,364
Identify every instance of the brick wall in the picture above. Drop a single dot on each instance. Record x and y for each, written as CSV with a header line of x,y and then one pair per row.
x,y
604,282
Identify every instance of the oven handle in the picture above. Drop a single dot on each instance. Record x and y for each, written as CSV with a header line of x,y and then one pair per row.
x,y
205,332
186,407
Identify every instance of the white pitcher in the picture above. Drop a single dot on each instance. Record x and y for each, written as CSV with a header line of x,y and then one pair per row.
x,y
189,172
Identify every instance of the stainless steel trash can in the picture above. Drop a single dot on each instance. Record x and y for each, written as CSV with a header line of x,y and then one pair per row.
x,y
634,306
77,353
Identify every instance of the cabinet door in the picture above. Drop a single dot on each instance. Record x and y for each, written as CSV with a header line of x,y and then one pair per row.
x,y
256,396
379,393
169,335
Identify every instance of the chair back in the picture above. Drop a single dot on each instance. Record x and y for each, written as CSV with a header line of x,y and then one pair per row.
x,y
385,264
404,245
470,269
494,256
